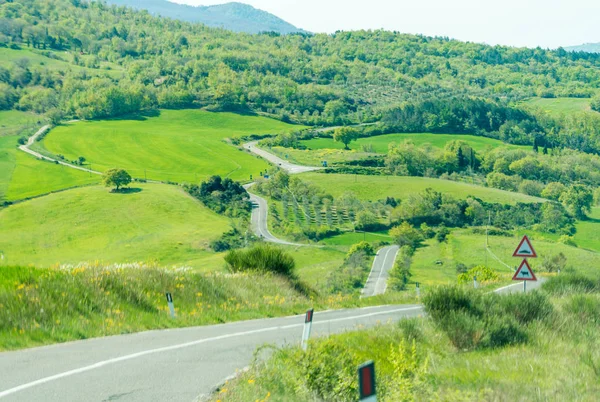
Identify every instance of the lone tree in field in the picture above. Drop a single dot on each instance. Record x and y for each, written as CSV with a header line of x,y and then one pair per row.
x,y
116,177
345,135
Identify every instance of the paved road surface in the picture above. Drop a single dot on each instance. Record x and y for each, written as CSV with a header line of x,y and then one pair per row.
x,y
382,264
172,365
285,165
259,220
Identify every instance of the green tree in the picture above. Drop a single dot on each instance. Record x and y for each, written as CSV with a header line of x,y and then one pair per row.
x,y
116,177
553,191
406,235
578,199
345,135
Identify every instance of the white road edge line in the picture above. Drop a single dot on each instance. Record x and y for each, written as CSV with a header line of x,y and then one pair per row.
x,y
98,365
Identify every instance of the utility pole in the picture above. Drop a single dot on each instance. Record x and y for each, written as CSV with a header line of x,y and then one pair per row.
x,y
487,231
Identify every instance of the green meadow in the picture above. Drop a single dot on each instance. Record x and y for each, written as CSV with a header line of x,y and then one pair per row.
x,y
467,248
23,176
380,143
175,145
560,105
379,187
588,231
13,122
154,223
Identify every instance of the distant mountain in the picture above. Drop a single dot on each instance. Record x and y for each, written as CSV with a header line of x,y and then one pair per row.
x,y
235,17
588,47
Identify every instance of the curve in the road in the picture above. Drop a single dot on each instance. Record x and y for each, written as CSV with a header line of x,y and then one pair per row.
x,y
27,149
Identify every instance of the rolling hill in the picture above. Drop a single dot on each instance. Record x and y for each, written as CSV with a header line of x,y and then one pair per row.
x,y
586,47
237,17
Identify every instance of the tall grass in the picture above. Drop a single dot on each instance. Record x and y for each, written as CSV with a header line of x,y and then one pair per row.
x,y
39,306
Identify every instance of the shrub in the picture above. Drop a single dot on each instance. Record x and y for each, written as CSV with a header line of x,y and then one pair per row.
x,y
568,240
351,275
440,302
525,307
502,331
261,258
363,246
411,328
586,308
22,140
571,283
329,371
483,274
464,330
400,274
554,263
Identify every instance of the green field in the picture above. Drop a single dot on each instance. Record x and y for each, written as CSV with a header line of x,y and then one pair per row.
x,y
588,232
559,105
380,143
379,187
469,249
159,223
177,145
23,176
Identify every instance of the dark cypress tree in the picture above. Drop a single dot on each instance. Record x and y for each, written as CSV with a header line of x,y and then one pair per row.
x,y
460,157
535,145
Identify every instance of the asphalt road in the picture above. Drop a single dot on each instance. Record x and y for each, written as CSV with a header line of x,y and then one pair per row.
x,y
169,365
285,165
382,264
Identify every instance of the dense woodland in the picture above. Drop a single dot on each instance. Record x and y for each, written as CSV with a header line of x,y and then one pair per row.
x,y
118,61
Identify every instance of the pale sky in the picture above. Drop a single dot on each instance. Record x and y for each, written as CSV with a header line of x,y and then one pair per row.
x,y
545,23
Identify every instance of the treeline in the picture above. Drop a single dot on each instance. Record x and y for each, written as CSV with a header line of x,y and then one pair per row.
x,y
102,61
494,119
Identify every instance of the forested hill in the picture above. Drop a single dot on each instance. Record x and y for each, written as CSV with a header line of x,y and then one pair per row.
x,y
74,58
587,47
236,17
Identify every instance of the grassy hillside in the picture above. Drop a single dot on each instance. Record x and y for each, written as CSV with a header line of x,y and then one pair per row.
x,y
380,187
380,143
548,353
560,105
467,248
176,145
13,122
588,232
159,223
23,176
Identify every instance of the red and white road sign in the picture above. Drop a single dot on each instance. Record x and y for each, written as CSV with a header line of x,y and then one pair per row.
x,y
366,382
524,273
525,249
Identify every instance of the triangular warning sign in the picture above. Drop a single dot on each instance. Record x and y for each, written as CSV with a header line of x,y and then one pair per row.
x,y
525,249
524,273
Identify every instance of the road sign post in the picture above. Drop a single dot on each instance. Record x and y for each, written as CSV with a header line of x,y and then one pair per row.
x,y
366,382
307,328
524,272
170,302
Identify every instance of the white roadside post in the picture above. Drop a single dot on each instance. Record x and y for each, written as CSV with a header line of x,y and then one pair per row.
x,y
524,272
418,290
171,306
475,282
307,328
366,382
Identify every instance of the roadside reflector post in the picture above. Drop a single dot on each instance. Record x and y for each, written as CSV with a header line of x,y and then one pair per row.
x,y
170,303
307,328
366,382
475,282
418,290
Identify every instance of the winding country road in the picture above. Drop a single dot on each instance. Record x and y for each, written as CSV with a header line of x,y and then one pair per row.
x,y
382,264
181,364
170,365
27,149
